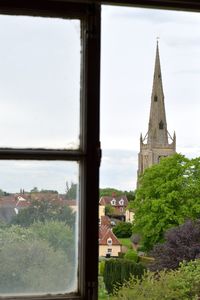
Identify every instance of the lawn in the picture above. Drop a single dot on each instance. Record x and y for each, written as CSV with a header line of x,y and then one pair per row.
x,y
125,242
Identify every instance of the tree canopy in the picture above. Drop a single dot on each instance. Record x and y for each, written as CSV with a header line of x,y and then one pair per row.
x,y
112,191
168,194
71,190
45,210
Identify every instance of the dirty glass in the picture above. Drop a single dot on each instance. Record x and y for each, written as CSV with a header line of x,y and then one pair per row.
x,y
39,82
38,227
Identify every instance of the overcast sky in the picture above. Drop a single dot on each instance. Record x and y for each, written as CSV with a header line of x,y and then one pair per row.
x,y
128,57
40,85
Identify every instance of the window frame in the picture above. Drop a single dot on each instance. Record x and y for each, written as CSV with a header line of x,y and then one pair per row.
x,y
89,154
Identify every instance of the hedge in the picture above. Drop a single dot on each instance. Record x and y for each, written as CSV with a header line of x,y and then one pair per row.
x,y
116,271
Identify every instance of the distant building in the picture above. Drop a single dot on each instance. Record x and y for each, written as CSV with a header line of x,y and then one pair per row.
x,y
118,205
109,245
155,144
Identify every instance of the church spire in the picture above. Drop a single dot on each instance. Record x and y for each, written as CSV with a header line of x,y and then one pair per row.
x,y
155,145
157,131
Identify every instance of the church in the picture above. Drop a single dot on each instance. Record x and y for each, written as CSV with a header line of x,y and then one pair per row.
x,y
157,142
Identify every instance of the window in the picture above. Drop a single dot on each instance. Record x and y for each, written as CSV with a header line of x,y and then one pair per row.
x,y
109,241
161,125
155,98
113,202
82,152
121,202
50,120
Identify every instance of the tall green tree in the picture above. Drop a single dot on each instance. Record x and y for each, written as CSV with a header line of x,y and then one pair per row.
x,y
71,191
169,193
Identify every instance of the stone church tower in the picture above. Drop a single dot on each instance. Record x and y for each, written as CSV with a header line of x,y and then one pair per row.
x,y
156,143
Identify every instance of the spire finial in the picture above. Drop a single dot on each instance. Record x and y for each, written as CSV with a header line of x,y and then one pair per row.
x,y
157,39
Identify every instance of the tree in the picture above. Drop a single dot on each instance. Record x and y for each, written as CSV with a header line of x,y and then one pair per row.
x,y
168,195
181,243
109,210
111,191
131,255
45,210
34,190
123,230
71,191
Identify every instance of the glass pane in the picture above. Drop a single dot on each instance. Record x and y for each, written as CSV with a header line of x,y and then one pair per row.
x,y
39,82
38,227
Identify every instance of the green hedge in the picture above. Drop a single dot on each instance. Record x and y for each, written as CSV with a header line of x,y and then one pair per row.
x,y
116,271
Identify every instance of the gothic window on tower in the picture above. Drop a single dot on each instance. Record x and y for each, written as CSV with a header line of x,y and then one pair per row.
x,y
161,125
155,98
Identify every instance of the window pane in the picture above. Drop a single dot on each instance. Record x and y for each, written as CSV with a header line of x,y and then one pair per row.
x,y
38,227
39,82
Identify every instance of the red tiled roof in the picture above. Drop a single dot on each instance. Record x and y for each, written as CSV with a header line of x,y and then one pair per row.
x,y
105,220
105,233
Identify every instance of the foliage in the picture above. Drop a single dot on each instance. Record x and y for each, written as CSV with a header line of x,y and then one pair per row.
x,y
57,234
123,230
118,270
131,255
44,210
102,293
109,210
180,284
34,190
33,266
181,243
30,258
111,191
168,195
71,191
101,267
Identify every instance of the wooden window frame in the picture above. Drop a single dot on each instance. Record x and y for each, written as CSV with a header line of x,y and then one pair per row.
x,y
89,11
88,155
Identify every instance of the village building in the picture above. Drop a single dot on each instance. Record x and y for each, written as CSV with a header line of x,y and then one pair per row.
x,y
109,245
113,206
157,143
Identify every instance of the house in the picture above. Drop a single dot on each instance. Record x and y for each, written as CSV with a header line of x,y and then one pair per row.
x,y
109,245
115,206
10,206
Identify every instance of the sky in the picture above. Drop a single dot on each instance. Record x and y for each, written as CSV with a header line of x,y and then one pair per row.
x,y
40,90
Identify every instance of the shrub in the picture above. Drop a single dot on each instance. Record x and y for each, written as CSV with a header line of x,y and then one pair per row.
x,y
123,230
180,284
131,255
101,267
181,243
118,270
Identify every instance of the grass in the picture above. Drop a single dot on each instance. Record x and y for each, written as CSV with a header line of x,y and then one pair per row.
x,y
125,242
